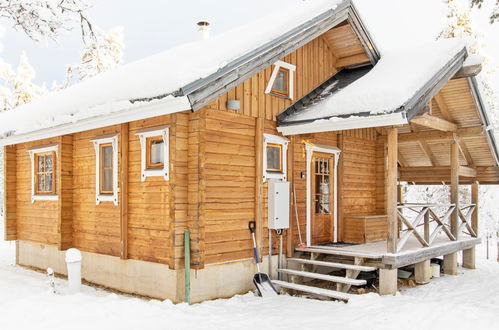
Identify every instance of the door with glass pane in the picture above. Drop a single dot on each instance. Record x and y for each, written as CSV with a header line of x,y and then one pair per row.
x,y
322,170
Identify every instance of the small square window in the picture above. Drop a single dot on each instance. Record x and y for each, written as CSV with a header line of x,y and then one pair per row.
x,y
155,152
274,157
281,83
106,169
45,173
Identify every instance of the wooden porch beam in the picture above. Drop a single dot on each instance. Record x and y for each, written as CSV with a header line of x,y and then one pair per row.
x,y
468,71
434,122
464,151
401,160
391,190
427,152
443,107
474,131
467,172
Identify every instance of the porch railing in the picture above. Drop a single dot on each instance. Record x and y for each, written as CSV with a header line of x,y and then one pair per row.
x,y
425,224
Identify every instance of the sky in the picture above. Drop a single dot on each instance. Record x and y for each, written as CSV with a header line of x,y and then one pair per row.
x,y
151,26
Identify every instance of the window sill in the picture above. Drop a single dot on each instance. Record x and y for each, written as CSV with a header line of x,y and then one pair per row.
x,y
44,198
107,198
286,97
275,175
160,172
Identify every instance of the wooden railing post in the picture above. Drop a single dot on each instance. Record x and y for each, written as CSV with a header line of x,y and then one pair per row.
x,y
391,190
469,255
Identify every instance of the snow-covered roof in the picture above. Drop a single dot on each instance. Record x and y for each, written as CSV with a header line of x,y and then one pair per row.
x,y
156,80
393,85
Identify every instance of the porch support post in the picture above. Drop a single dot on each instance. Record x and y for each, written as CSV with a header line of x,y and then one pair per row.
x,y
422,272
387,281
469,255
391,191
450,260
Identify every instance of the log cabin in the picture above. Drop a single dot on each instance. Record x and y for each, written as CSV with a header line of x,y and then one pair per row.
x,y
302,126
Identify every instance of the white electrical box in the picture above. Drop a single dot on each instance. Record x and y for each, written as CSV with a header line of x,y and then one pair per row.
x,y
278,205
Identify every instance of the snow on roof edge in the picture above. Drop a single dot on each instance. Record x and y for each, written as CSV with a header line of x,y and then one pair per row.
x,y
110,89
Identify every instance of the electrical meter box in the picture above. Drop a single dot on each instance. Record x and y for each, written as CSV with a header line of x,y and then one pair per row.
x,y
278,205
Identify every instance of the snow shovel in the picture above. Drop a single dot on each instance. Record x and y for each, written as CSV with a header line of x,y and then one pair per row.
x,y
261,280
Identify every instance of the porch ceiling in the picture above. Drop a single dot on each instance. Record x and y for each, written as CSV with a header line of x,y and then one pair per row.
x,y
424,148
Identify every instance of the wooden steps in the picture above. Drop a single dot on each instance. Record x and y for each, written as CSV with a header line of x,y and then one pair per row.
x,y
313,290
324,277
339,252
333,264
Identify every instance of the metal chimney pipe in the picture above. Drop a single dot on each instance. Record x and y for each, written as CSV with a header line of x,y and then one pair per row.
x,y
203,30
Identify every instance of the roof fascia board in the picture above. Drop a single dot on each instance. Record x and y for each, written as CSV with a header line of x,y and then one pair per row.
x,y
364,36
418,102
203,91
159,108
396,118
484,117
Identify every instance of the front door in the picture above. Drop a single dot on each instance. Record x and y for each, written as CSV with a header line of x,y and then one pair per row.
x,y
322,170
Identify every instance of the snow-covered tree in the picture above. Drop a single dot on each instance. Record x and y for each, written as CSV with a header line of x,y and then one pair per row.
x,y
17,86
42,19
494,15
102,53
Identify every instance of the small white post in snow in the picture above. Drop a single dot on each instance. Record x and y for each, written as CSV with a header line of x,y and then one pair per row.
x,y
73,263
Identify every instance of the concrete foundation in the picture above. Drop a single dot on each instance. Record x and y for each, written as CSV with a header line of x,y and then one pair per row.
x,y
148,278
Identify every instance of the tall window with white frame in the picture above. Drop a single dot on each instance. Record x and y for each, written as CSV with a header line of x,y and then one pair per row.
x,y
106,169
44,173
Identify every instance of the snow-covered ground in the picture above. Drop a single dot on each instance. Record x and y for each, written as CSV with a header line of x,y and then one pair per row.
x,y
467,301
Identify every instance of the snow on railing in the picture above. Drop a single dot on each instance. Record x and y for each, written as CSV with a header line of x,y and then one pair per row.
x,y
426,216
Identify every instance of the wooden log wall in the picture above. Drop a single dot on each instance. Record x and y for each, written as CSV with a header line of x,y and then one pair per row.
x,y
148,203
315,63
38,221
96,228
10,183
65,191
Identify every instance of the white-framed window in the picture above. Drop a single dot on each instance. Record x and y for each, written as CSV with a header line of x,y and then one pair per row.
x,y
43,173
275,151
106,169
154,146
281,82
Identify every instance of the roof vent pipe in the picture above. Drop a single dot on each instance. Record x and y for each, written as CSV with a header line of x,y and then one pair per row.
x,y
203,30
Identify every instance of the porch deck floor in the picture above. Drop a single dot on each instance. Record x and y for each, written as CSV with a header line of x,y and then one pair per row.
x,y
411,252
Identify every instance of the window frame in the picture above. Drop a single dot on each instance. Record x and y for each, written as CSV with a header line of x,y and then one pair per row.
x,y
102,169
146,134
280,65
149,143
101,195
33,154
287,90
53,172
269,139
279,146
